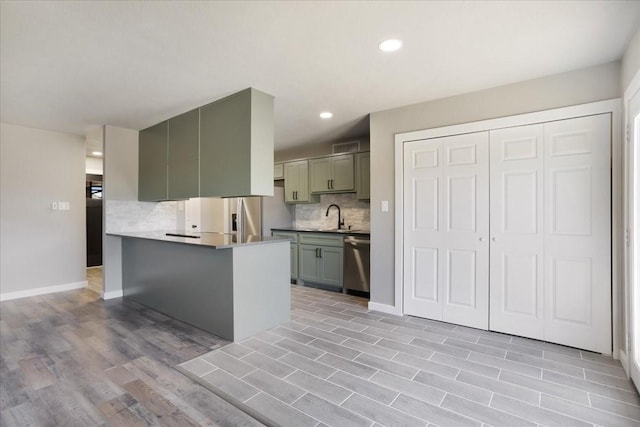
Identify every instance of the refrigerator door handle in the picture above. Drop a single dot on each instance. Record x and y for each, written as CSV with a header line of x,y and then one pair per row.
x,y
240,217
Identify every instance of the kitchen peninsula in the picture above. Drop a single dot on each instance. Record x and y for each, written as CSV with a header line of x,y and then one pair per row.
x,y
212,281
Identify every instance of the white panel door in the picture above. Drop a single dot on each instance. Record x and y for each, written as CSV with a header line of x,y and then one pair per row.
x,y
516,265
423,233
446,229
577,228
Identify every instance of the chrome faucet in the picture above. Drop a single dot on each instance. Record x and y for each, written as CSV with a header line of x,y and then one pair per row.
x,y
340,221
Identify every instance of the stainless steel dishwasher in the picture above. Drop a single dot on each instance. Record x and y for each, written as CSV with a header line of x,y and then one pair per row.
x,y
356,263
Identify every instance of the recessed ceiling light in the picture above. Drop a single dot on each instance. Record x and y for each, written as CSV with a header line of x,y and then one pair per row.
x,y
390,45
326,115
97,153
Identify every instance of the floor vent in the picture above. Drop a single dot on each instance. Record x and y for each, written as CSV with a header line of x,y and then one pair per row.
x,y
346,147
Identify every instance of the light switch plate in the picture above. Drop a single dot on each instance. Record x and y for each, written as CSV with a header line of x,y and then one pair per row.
x,y
384,206
54,206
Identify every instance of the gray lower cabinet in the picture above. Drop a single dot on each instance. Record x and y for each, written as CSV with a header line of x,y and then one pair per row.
x,y
320,258
293,238
152,163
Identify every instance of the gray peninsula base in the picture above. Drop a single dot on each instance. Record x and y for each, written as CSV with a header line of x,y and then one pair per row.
x,y
233,292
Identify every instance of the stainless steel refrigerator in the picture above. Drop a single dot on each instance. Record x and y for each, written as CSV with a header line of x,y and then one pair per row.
x,y
256,216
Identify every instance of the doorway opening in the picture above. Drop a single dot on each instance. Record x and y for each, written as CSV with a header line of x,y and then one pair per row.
x,y
94,167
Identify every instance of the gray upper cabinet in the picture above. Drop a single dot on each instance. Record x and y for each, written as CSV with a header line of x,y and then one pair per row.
x,y
296,183
223,149
332,174
152,163
363,176
236,146
183,155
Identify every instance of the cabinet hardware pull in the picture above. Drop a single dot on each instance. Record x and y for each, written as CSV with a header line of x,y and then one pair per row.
x,y
320,252
332,184
317,256
328,184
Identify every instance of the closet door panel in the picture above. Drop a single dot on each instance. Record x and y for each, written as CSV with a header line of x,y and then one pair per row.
x,y
423,234
465,261
578,232
446,229
516,266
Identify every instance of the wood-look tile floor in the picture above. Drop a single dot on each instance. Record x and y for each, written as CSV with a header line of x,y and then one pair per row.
x,y
338,364
70,359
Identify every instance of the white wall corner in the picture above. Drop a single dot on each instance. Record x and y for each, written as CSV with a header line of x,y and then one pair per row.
x,y
7,296
624,361
385,308
111,295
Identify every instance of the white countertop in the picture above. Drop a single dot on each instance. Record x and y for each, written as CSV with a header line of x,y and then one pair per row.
x,y
211,240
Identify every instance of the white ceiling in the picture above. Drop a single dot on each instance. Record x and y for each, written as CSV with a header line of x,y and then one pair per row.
x,y
72,66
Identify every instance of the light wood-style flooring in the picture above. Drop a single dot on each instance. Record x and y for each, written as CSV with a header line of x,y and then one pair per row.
x,y
70,359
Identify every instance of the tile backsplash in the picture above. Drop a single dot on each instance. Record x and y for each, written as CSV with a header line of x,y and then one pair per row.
x,y
356,213
126,215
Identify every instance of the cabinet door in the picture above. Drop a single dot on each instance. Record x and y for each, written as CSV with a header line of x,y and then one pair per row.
x,y
183,155
303,182
331,260
308,263
342,177
225,147
278,171
236,146
320,173
152,163
294,261
296,182
291,182
363,178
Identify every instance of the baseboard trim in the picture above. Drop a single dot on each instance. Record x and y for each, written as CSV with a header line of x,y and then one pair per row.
x,y
111,294
385,308
7,296
624,361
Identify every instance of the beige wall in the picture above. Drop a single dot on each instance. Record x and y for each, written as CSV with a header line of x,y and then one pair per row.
x,y
120,182
315,150
572,88
41,247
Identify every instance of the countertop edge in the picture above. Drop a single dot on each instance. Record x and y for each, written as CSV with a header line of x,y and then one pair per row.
x,y
308,230
160,237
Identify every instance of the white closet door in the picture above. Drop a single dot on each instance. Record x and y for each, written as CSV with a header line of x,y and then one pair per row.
x,y
446,229
516,266
578,232
423,233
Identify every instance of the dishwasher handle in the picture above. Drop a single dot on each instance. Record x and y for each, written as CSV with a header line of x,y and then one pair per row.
x,y
355,240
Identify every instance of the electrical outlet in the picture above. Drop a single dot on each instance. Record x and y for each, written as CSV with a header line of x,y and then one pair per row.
x,y
64,206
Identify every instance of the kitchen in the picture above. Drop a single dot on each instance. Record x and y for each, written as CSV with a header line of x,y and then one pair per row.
x,y
375,359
